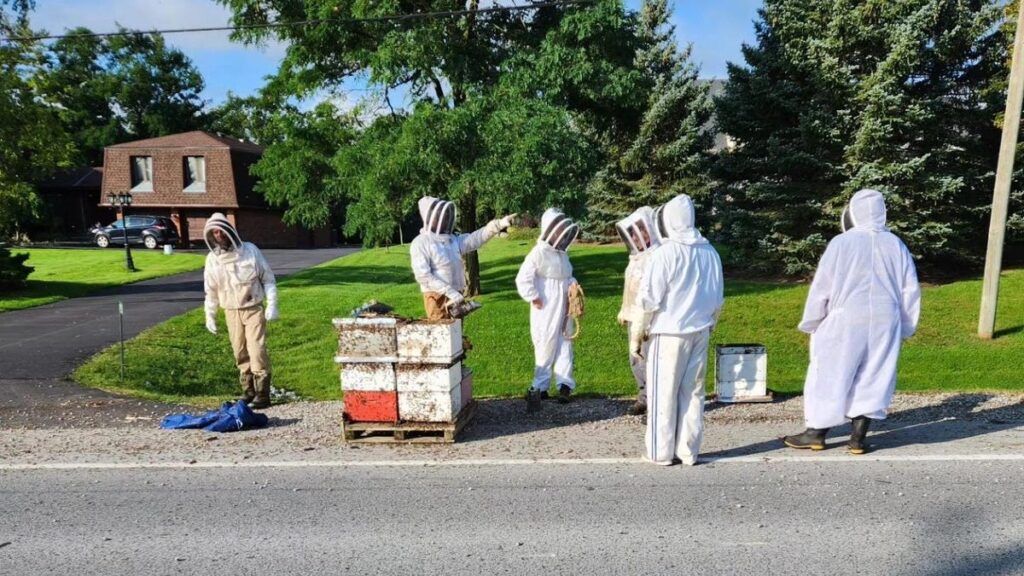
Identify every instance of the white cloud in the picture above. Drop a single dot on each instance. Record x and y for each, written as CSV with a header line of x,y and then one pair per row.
x,y
57,16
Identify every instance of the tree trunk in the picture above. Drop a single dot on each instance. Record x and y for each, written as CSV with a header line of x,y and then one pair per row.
x,y
467,222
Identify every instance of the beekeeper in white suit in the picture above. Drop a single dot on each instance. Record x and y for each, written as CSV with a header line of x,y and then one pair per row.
x,y
864,301
238,279
640,237
437,255
681,294
544,280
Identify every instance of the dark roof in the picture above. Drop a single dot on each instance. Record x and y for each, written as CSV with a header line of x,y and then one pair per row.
x,y
195,139
77,179
716,87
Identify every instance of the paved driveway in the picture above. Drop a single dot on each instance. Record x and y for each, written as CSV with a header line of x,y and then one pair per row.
x,y
40,346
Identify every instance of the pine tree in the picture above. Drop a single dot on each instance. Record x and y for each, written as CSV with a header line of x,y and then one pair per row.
x,y
845,94
669,153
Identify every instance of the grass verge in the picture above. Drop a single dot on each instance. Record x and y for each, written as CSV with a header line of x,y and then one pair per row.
x,y
180,361
62,273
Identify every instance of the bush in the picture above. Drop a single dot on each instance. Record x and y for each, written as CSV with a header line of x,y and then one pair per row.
x,y
523,234
13,270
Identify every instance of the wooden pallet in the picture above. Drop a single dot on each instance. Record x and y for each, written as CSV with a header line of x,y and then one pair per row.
x,y
407,432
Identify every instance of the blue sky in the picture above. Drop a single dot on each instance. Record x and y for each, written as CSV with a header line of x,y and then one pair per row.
x,y
716,28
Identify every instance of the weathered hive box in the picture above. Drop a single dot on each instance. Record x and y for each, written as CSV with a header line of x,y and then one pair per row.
x,y
397,371
366,340
741,373
370,392
427,377
367,377
429,393
429,342
371,406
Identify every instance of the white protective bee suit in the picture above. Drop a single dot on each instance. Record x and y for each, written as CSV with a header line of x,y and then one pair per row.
x,y
863,302
436,255
545,276
238,279
681,293
640,236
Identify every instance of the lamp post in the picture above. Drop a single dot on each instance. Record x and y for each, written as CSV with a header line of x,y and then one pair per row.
x,y
122,200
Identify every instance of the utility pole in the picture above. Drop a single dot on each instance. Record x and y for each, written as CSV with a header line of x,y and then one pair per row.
x,y
1004,178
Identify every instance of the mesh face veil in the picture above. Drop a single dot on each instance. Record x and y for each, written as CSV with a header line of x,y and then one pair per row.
x,y
561,233
659,219
441,217
637,231
567,237
848,221
229,239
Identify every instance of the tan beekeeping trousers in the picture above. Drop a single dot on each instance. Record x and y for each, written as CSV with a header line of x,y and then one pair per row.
x,y
247,329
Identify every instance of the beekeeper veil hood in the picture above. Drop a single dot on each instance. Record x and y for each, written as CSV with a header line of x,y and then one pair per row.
x,y
638,231
438,215
233,241
676,221
558,230
865,211
659,224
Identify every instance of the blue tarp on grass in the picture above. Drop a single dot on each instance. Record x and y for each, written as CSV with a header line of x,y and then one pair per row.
x,y
228,418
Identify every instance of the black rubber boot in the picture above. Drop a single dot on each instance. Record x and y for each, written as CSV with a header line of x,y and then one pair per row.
x,y
858,432
533,401
248,388
262,385
813,438
564,393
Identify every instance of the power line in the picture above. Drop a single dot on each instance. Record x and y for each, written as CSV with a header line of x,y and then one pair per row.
x,y
309,22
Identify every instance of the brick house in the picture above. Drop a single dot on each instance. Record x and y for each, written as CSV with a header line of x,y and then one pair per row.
x,y
191,175
72,205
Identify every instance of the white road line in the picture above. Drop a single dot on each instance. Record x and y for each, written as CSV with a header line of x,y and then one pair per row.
x,y
509,462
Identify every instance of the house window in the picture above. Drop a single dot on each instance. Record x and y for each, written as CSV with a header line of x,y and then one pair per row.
x,y
195,174
142,173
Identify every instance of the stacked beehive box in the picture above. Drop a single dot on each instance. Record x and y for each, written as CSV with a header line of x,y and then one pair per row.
x,y
402,371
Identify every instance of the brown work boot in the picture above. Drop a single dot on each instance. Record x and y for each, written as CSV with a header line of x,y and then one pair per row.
x,y
262,385
245,380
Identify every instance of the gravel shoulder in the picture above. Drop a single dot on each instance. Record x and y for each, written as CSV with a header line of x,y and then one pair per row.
x,y
586,429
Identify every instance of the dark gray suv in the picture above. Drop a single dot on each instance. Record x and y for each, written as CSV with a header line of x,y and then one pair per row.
x,y
150,231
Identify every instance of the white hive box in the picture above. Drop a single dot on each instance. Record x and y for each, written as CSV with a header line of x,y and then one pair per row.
x,y
741,373
466,386
429,342
368,377
429,393
428,377
372,340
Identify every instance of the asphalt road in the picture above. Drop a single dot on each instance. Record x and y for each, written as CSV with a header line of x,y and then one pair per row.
x,y
913,518
40,346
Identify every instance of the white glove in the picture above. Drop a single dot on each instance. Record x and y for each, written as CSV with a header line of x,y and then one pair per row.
x,y
636,341
504,223
271,312
211,315
638,335
454,297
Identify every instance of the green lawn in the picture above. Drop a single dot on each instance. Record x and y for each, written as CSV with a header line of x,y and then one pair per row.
x,y
180,361
67,273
